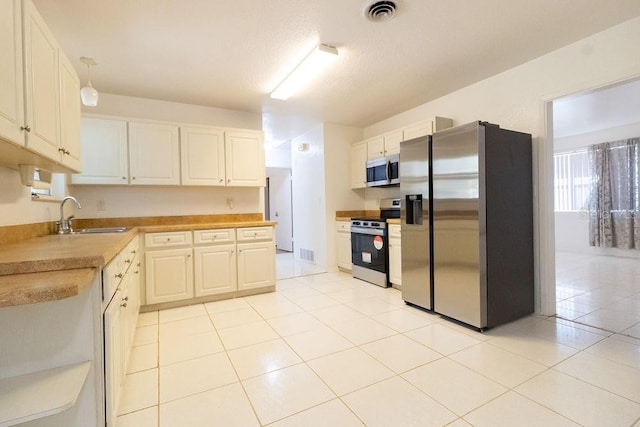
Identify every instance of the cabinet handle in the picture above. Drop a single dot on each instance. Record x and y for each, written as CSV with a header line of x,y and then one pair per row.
x,y
27,128
124,177
168,239
133,177
124,304
128,261
138,265
188,255
119,275
125,299
61,150
221,180
133,251
229,180
136,272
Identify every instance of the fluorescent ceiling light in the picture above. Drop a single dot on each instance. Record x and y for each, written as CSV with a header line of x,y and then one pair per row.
x,y
312,65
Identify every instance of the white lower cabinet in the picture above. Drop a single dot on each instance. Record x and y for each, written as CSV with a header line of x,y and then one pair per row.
x,y
169,275
224,261
344,244
256,268
395,255
121,294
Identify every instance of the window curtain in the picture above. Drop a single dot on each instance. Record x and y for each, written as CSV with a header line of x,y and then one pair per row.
x,y
614,205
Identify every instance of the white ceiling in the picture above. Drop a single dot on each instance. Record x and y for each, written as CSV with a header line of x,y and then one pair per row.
x,y
231,54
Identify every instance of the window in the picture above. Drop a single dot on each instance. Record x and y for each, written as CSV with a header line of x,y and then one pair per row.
x,y
571,181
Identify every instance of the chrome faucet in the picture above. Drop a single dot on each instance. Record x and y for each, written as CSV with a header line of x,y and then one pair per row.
x,y
64,225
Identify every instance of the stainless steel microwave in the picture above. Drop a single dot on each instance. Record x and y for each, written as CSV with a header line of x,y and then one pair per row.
x,y
384,171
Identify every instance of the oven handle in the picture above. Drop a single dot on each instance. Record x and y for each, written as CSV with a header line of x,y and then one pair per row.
x,y
367,231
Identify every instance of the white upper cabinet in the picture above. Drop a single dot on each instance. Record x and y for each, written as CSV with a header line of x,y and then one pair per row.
x,y
104,152
358,165
70,146
39,94
154,154
244,153
426,127
11,89
384,145
202,156
41,85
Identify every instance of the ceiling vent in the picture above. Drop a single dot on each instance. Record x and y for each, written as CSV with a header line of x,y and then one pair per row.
x,y
379,11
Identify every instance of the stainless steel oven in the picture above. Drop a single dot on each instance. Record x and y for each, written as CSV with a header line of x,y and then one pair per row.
x,y
369,244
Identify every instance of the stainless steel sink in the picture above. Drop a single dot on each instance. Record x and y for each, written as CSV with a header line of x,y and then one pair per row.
x,y
101,230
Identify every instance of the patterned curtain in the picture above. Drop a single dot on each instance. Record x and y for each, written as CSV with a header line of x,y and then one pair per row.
x,y
614,205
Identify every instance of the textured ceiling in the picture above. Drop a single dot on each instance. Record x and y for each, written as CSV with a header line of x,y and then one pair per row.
x,y
231,54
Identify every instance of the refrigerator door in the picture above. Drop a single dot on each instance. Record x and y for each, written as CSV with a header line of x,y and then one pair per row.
x,y
458,231
415,219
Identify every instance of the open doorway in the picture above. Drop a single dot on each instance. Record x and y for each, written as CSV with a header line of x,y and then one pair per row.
x,y
596,286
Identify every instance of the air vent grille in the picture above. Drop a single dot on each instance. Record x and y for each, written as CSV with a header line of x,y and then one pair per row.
x,y
380,11
307,255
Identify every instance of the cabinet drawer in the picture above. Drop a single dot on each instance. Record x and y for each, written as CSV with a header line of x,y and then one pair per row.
x,y
255,233
343,226
226,235
129,253
168,239
394,230
111,276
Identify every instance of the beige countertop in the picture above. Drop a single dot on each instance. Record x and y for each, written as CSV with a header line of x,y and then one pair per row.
x,y
54,267
393,221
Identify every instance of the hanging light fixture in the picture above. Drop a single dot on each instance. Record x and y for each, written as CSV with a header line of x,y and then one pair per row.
x,y
313,64
88,94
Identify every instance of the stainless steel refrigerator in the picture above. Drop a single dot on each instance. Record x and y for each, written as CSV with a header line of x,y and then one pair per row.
x,y
415,222
482,224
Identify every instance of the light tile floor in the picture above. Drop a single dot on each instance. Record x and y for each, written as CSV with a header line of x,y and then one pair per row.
x,y
330,350
600,291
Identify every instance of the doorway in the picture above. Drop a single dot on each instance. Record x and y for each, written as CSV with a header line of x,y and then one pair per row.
x,y
595,286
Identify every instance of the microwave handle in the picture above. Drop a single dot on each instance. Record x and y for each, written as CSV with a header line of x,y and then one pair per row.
x,y
387,171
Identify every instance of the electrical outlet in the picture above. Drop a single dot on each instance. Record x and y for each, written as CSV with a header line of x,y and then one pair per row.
x,y
101,206
230,203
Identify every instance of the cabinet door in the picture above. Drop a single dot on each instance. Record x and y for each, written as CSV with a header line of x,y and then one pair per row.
x,y
392,142
215,269
256,265
11,89
244,153
154,154
41,85
395,261
104,152
344,250
112,359
69,115
422,128
169,275
375,147
358,165
202,156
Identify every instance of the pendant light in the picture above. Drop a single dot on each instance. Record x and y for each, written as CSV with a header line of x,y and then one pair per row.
x,y
88,94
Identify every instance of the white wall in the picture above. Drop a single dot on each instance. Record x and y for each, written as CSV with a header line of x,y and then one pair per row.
x,y
16,206
278,158
153,109
516,99
309,200
339,195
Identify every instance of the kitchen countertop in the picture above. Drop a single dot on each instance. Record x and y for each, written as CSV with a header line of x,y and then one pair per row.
x,y
55,267
393,221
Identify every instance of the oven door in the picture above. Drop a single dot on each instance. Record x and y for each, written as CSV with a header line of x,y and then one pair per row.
x,y
369,248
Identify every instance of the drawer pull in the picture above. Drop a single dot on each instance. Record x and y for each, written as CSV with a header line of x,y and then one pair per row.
x,y
125,299
124,304
128,261
119,275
